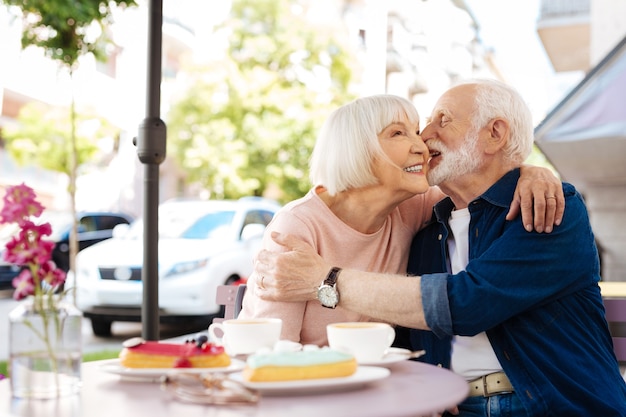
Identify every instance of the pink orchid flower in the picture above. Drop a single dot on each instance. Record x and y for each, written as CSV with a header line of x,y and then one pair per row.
x,y
29,248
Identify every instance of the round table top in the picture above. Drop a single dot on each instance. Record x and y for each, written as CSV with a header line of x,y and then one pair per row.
x,y
411,389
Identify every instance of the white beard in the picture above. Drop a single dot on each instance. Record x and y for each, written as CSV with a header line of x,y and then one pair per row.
x,y
455,163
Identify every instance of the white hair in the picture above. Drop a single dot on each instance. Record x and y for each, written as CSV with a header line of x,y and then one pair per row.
x,y
496,99
347,144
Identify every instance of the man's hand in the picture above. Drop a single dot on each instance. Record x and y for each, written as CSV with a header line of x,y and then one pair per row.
x,y
539,195
292,275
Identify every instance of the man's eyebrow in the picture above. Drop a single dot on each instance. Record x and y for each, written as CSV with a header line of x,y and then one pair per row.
x,y
440,113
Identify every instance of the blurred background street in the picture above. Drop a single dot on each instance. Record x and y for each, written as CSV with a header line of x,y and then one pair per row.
x,y
245,85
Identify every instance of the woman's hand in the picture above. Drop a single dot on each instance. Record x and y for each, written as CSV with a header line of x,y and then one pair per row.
x,y
539,195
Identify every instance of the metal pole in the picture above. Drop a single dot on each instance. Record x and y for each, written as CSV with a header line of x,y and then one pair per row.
x,y
151,144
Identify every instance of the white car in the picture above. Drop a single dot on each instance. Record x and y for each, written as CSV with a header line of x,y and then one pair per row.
x,y
202,244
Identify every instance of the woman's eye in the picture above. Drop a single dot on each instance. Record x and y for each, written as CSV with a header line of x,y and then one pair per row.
x,y
397,133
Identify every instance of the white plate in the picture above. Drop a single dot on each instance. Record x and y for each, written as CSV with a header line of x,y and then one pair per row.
x,y
113,366
362,376
392,356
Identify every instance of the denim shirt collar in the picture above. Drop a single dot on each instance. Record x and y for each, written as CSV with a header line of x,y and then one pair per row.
x,y
500,194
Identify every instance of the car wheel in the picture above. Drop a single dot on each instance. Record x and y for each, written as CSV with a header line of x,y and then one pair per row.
x,y
101,328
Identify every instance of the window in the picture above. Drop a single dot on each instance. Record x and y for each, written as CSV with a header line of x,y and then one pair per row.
x,y
109,222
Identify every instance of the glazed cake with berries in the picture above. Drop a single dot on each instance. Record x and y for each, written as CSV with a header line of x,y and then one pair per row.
x,y
139,353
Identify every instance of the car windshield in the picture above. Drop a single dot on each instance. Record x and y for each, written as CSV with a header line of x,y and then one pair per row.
x,y
187,225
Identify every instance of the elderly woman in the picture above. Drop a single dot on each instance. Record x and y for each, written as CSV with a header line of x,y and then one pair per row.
x,y
370,197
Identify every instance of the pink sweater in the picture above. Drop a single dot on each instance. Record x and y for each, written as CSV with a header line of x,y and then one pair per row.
x,y
309,218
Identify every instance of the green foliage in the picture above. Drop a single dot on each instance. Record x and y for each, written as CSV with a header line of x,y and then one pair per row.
x,y
100,355
539,159
43,137
67,29
249,119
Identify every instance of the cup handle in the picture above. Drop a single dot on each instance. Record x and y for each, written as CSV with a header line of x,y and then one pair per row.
x,y
213,336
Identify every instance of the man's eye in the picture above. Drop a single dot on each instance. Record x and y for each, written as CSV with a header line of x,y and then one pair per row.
x,y
397,133
444,121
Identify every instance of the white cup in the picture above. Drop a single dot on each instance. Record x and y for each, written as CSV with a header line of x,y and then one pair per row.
x,y
366,341
246,336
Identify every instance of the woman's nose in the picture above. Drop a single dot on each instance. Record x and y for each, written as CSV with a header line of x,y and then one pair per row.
x,y
419,146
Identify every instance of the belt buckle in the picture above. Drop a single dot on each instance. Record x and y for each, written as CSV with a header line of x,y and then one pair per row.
x,y
496,391
486,392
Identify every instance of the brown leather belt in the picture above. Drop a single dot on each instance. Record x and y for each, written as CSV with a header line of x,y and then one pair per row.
x,y
491,384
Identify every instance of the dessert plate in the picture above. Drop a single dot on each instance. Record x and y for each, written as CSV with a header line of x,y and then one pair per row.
x,y
362,376
392,356
113,366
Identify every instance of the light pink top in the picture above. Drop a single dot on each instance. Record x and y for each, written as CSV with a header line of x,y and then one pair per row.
x,y
309,218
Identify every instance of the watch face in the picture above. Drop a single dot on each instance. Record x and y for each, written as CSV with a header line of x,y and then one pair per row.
x,y
328,296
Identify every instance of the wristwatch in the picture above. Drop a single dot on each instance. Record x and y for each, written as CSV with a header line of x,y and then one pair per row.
x,y
327,292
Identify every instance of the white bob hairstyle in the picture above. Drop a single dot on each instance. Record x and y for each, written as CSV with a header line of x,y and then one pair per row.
x,y
347,144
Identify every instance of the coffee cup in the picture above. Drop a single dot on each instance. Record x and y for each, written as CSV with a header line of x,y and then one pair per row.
x,y
366,341
246,336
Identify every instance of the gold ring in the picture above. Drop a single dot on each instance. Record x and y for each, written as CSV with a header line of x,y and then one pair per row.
x,y
550,196
261,283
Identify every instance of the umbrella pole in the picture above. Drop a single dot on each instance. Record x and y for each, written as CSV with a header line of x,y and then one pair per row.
x,y
151,144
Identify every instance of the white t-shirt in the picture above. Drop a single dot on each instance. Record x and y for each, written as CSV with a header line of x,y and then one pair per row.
x,y
472,356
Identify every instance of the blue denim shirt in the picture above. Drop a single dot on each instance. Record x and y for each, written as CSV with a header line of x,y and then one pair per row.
x,y
534,294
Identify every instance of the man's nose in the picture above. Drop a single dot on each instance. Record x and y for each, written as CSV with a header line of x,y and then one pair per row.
x,y
426,133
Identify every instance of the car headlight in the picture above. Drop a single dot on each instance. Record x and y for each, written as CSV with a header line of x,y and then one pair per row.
x,y
184,267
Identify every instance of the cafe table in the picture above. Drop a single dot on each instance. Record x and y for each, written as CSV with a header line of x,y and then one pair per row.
x,y
412,389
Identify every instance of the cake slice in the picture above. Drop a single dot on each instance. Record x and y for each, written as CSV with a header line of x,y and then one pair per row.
x,y
138,353
305,364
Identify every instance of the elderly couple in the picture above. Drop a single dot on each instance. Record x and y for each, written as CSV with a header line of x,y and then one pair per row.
x,y
515,311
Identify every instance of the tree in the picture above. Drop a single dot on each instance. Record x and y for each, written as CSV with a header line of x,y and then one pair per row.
x,y
249,119
42,137
62,29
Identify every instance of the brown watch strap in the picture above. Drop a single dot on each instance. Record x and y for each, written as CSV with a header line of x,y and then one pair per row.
x,y
331,278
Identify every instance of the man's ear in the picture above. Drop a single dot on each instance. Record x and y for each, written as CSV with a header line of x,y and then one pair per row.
x,y
498,134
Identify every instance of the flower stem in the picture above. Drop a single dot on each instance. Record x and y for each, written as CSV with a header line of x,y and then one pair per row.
x,y
45,305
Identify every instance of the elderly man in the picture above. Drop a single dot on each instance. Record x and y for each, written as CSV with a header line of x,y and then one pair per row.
x,y
518,314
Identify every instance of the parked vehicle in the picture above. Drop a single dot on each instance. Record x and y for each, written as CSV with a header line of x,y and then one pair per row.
x,y
8,271
93,227
202,244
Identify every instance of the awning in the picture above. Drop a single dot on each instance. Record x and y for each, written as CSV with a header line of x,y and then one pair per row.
x,y
584,136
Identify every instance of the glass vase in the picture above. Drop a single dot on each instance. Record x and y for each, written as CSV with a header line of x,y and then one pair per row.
x,y
45,349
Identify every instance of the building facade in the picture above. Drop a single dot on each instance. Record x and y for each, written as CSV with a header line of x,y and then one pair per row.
x,y
584,136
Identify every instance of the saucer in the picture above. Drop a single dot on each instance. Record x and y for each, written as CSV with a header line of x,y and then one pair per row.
x,y
392,356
